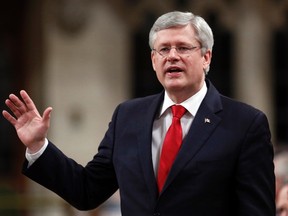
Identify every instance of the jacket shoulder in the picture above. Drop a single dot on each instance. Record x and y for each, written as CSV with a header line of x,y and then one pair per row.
x,y
142,101
238,106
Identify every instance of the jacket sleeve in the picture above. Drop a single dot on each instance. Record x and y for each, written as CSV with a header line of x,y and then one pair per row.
x,y
255,179
84,188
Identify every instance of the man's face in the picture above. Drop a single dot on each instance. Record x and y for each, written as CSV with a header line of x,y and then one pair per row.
x,y
182,75
282,202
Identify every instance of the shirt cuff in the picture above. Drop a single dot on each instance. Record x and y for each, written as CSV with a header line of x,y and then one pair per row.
x,y
31,158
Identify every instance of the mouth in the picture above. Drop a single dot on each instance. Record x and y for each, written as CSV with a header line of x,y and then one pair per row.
x,y
174,69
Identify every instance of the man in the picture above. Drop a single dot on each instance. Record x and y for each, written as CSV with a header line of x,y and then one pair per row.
x,y
282,201
223,166
281,170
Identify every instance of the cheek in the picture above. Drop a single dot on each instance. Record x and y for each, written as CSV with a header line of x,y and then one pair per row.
x,y
158,73
154,61
157,65
196,64
158,69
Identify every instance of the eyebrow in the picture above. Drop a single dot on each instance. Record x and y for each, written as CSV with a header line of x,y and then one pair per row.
x,y
176,44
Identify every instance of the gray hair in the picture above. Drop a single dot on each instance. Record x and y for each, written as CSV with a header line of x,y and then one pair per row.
x,y
203,32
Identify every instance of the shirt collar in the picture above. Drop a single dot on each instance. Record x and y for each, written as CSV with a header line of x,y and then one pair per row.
x,y
191,104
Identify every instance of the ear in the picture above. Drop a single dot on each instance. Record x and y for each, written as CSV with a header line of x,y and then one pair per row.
x,y
153,59
207,59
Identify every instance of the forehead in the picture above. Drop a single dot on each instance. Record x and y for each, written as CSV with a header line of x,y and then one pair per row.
x,y
181,34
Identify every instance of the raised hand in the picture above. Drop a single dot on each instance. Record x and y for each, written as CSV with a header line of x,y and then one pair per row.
x,y
31,127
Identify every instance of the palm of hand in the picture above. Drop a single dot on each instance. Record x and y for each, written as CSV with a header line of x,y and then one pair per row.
x,y
31,128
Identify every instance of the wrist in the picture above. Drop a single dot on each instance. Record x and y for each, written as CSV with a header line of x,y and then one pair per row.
x,y
32,149
32,157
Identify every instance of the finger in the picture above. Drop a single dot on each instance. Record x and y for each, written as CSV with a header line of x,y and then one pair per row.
x,y
47,115
28,101
18,104
9,117
13,108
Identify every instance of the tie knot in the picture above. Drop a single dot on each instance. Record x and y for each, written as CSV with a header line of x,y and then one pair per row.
x,y
178,111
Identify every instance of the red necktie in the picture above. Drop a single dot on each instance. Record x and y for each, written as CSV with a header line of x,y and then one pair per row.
x,y
171,145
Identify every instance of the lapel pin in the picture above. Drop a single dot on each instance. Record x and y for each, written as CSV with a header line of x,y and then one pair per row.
x,y
207,120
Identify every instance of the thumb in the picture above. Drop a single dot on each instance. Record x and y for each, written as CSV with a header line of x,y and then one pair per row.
x,y
47,114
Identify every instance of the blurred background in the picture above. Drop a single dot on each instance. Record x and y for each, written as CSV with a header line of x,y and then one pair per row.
x,y
83,57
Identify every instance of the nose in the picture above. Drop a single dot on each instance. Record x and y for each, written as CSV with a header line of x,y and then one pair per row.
x,y
173,54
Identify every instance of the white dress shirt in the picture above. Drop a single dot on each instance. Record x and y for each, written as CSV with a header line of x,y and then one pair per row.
x,y
164,120
160,126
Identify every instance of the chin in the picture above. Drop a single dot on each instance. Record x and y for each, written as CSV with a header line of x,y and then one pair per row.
x,y
174,88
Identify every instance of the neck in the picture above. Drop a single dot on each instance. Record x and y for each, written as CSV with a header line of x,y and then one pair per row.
x,y
180,96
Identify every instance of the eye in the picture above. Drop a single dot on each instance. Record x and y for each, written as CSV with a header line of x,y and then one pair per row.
x,y
183,49
164,49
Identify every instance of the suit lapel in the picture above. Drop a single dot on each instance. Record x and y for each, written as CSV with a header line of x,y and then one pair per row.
x,y
145,140
204,123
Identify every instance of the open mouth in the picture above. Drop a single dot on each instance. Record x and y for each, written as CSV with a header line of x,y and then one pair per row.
x,y
174,70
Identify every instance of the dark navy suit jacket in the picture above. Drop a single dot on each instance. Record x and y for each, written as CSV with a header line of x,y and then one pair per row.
x,y
224,167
